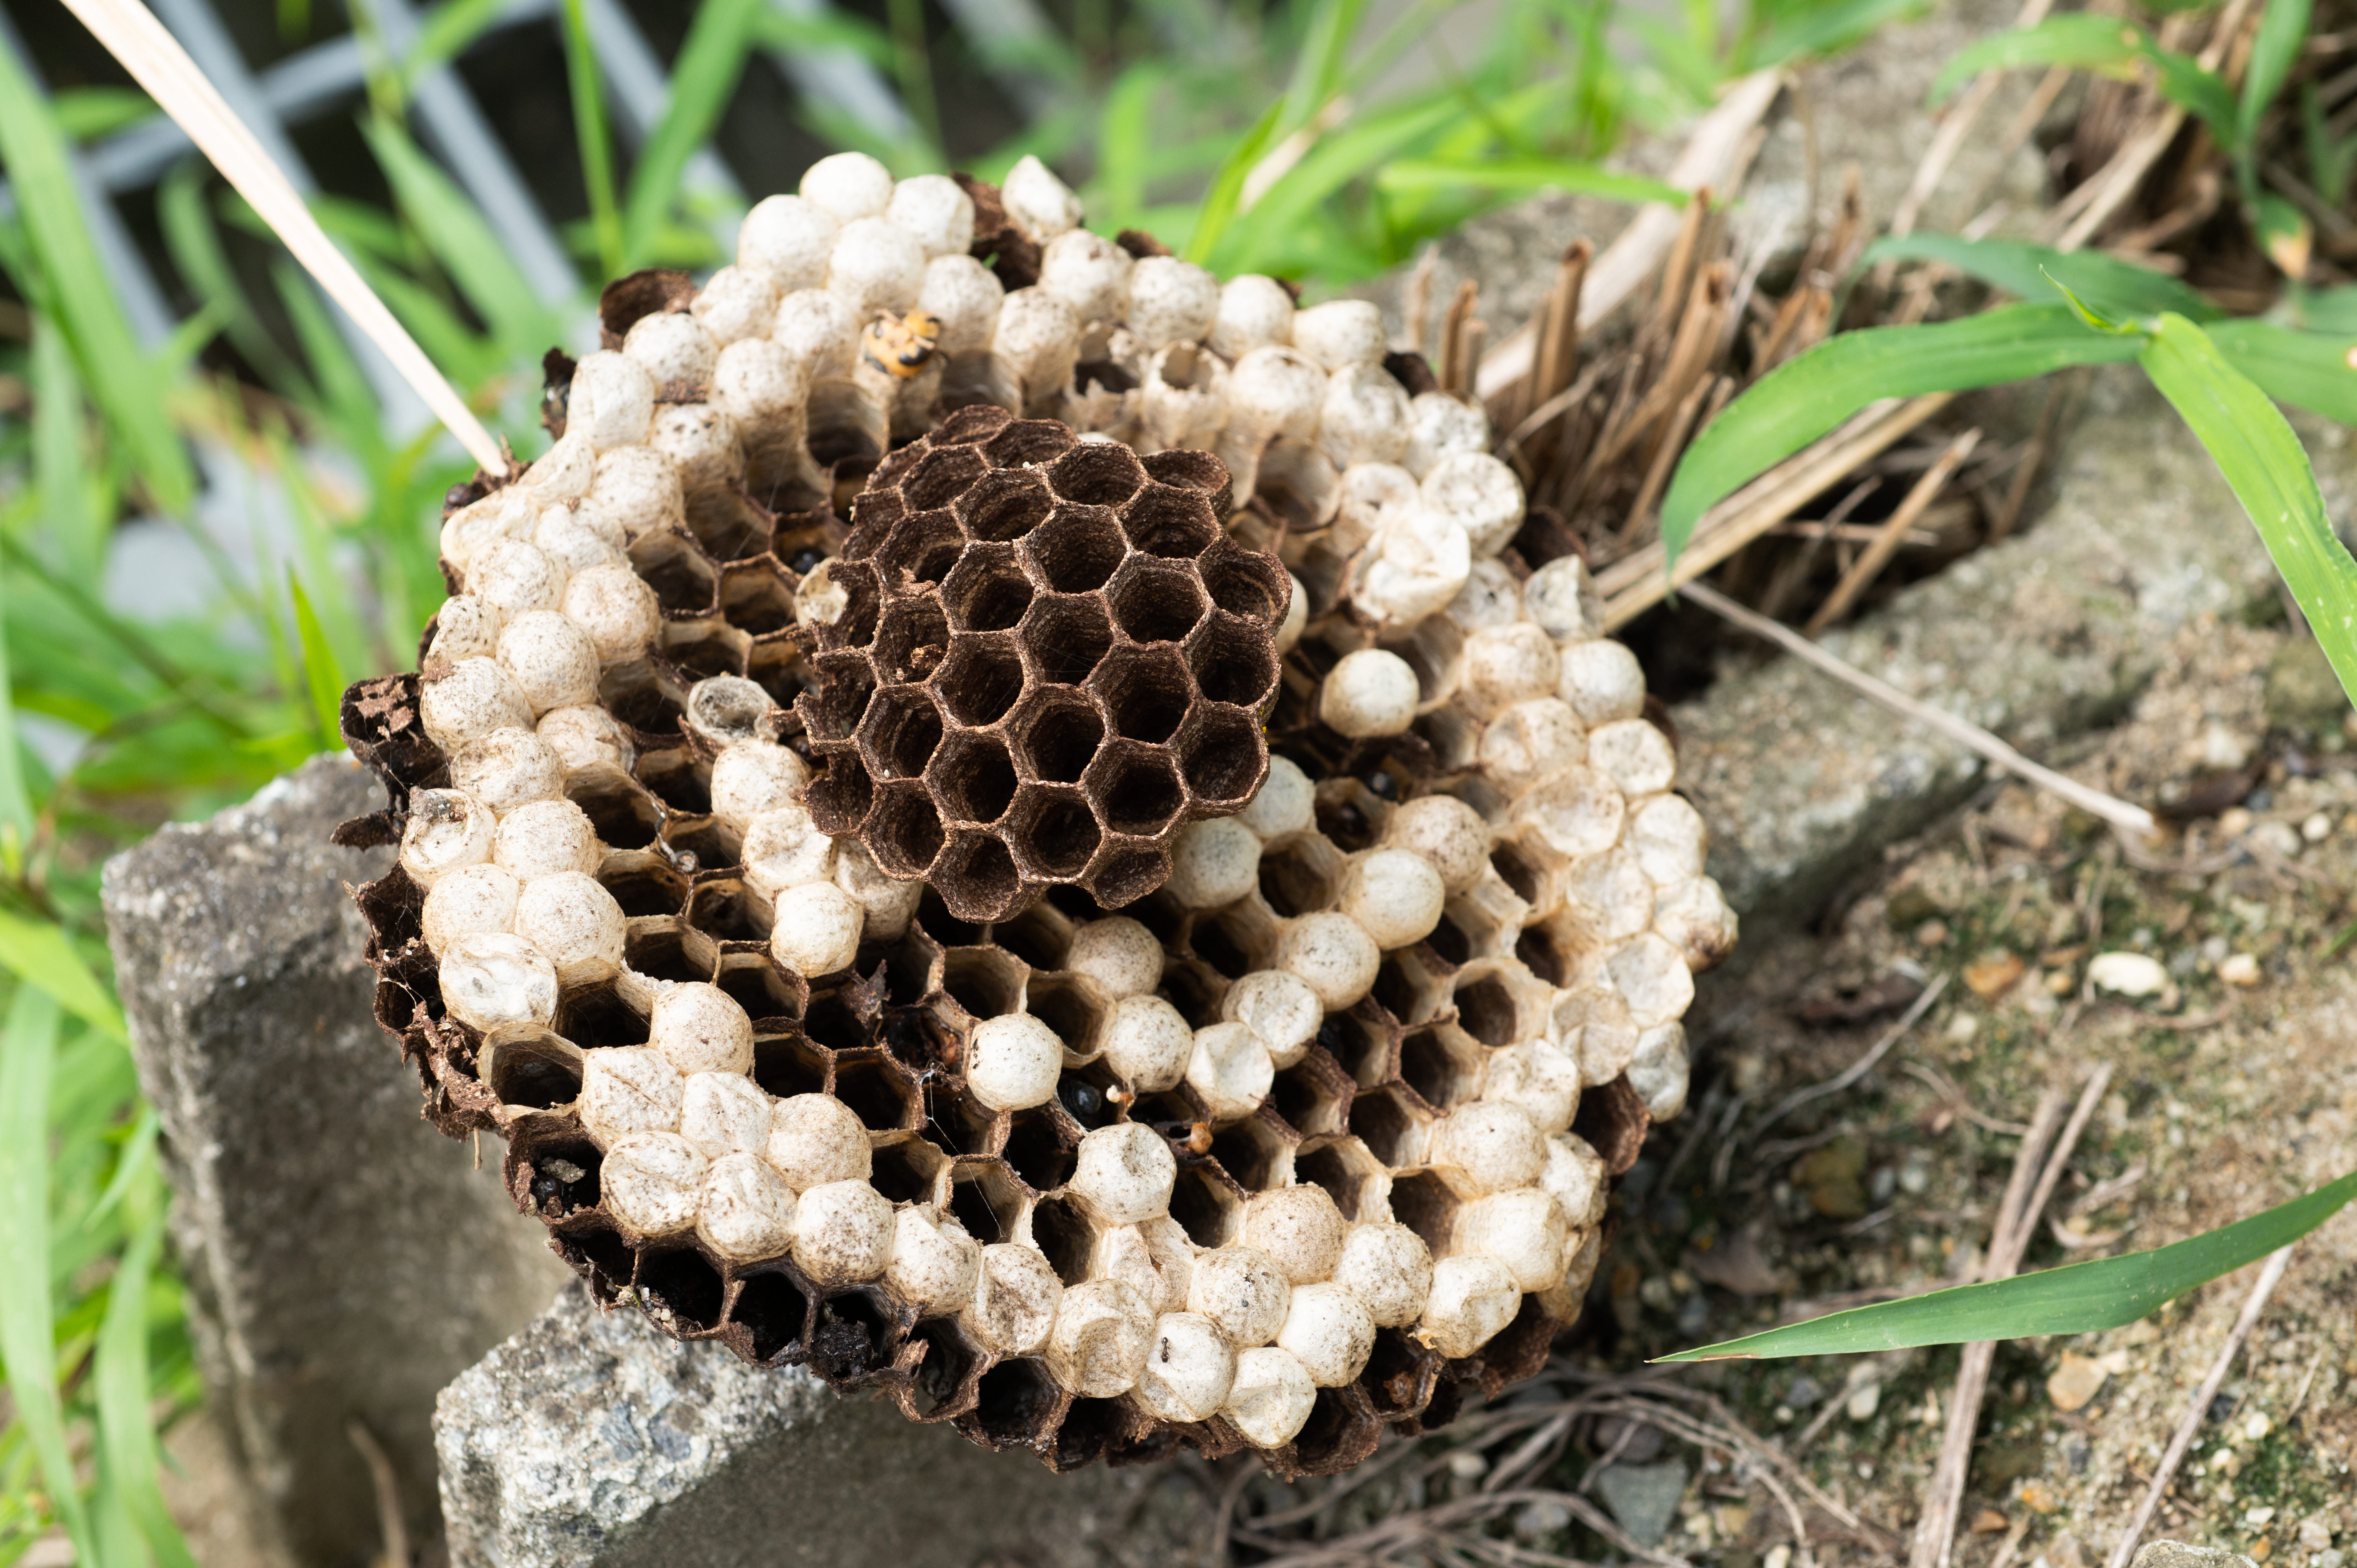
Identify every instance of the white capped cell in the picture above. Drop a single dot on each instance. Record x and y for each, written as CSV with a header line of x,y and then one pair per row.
x,y
848,186
1285,800
699,1027
937,210
552,660
1270,1397
1334,954
818,328
1279,1007
1036,202
508,768
575,922
1147,1042
842,1232
736,304
877,266
1215,860
1340,333
671,346
1473,1297
964,296
1255,312
816,929
1395,895
1372,691
1170,301
1124,1173
652,1182
815,1140
744,1212
1450,834
1299,1228
541,840
1088,273
1389,1269
1230,1069
628,1089
1189,1366
490,979
1012,1062
1330,1332
724,1114
446,830
788,239
612,400
1122,956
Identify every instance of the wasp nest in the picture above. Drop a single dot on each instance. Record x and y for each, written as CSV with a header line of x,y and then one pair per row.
x,y
757,867
1041,659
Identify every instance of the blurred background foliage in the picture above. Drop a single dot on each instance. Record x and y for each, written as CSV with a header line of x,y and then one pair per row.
x,y
210,522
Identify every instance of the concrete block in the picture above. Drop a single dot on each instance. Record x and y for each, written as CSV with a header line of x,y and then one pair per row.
x,y
591,1440
345,1260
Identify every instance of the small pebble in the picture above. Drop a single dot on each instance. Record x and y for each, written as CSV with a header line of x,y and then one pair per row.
x,y
2317,828
2241,969
2127,975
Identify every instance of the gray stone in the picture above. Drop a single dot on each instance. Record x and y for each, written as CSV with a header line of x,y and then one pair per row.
x,y
2036,638
344,1260
591,1440
1643,1498
2177,1554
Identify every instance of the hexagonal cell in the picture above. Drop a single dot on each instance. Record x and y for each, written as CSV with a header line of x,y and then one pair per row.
x,y
1313,1095
728,525
537,1071
1532,867
1040,936
1538,953
1360,1040
731,910
1390,1124
853,1334
986,1199
1300,878
703,647
1135,789
847,426
972,778
1130,874
970,425
643,882
1223,756
1208,1206
1097,473
907,1170
1258,1152
1028,442
841,796
986,590
670,950
901,732
1421,1201
1245,583
756,596
1066,636
1060,1230
1091,1095
1143,693
1052,831
949,1373
1498,1004
684,582
980,679
1235,660
1004,505
1068,1007
595,1015
1154,601
1192,468
832,710
760,987
1441,1065
1349,1171
710,843
681,1291
1017,1402
773,1307
1412,984
622,811
643,697
1171,523
880,1091
679,778
912,637
922,548
984,981
977,879
788,1065
863,592
560,1174
1341,1431
904,832
941,476
777,666
1075,550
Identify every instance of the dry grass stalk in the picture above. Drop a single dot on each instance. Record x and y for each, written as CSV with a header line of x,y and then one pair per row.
x,y
2134,822
1416,309
2179,1442
1636,583
1459,344
1877,555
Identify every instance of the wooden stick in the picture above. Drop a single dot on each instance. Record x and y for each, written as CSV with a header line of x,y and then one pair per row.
x,y
1935,1533
1665,456
2134,820
1559,351
1636,583
1877,555
2190,1422
1454,369
158,62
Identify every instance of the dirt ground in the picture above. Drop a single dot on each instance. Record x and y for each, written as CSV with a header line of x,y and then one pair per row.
x,y
2233,1088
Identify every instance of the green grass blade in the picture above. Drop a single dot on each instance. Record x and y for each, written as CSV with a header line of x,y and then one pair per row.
x,y
777,29
449,31
589,133
1521,174
27,1324
121,1380
120,378
16,800
2283,27
1318,72
1218,206
193,240
1803,398
1823,30
75,530
2079,1298
324,675
86,113
703,80
2018,267
2268,470
462,240
45,957
2080,40
2308,370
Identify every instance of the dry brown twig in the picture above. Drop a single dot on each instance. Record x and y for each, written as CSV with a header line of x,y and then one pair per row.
x,y
1877,555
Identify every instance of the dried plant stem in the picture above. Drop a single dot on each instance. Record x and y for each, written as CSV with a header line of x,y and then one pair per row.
x,y
158,62
1877,555
1864,1065
387,1488
1935,1533
1636,582
2129,819
2270,1275
1949,139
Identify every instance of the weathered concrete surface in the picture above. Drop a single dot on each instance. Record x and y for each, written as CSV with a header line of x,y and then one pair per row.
x,y
344,1260
590,1440
2038,638
1864,107
2177,1554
